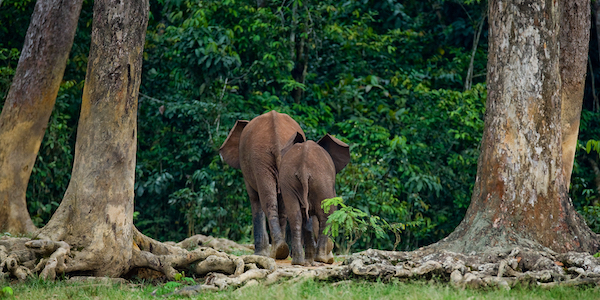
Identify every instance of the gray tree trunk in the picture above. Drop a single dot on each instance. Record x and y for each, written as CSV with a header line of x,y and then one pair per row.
x,y
96,215
29,104
520,196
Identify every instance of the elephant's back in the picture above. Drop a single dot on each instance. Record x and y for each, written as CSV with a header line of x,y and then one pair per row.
x,y
261,143
308,166
308,159
322,163
268,132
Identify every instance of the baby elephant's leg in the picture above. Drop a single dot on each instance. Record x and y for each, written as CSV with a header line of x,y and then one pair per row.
x,y
324,243
309,240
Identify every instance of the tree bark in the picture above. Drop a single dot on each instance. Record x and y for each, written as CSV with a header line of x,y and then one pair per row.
x,y
520,196
574,38
596,12
92,231
29,104
96,214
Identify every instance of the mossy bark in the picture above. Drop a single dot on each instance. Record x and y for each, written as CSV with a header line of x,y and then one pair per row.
x,y
520,196
29,104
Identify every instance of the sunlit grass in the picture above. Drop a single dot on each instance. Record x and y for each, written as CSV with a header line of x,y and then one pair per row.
x,y
347,290
399,290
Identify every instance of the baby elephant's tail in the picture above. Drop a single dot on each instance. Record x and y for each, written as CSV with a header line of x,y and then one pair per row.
x,y
304,200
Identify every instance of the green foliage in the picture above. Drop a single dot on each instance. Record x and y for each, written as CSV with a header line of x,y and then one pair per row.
x,y
592,145
384,83
417,173
181,277
8,66
384,76
591,214
14,21
585,180
353,223
6,291
172,286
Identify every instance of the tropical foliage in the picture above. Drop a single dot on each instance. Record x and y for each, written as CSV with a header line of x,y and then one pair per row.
x,y
402,82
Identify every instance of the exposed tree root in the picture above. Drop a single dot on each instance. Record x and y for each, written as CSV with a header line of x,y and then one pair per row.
x,y
98,280
59,252
10,263
221,244
493,269
21,257
168,258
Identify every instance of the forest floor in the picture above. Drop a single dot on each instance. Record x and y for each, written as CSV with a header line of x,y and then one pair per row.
x,y
496,269
308,289
446,272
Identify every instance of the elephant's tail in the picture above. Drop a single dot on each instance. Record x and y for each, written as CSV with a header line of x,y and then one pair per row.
x,y
304,200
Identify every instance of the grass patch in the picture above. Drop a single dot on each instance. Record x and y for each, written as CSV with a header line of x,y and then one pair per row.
x,y
37,289
400,290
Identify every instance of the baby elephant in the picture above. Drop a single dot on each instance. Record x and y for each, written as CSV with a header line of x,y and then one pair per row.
x,y
307,176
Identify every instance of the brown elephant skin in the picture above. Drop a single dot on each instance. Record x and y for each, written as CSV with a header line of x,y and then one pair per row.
x,y
307,177
255,148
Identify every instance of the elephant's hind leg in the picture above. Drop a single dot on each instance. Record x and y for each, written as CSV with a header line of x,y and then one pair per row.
x,y
261,239
282,216
268,200
309,240
324,244
295,220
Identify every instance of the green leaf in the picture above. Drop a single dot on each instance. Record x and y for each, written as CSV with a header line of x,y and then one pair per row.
x,y
172,284
6,291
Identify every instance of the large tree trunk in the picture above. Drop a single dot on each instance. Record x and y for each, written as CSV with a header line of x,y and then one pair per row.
x,y
96,214
520,195
574,40
29,104
92,231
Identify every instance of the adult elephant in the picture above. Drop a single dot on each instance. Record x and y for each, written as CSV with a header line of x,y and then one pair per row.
x,y
255,147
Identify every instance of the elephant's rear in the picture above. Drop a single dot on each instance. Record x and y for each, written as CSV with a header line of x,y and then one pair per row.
x,y
321,173
308,171
307,176
261,143
255,148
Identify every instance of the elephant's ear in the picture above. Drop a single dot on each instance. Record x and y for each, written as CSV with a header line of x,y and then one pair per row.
x,y
230,150
339,151
295,139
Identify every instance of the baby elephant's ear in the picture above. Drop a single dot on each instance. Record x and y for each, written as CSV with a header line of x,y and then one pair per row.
x,y
339,151
230,150
295,139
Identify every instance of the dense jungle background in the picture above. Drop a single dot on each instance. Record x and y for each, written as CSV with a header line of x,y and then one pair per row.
x,y
402,82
